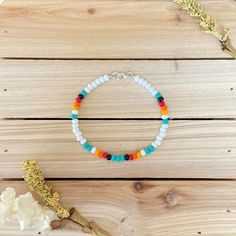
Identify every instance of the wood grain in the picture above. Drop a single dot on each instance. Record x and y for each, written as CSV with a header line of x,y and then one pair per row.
x,y
147,208
192,89
192,149
109,29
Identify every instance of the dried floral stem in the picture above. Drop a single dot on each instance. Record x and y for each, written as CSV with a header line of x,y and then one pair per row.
x,y
35,179
208,24
90,226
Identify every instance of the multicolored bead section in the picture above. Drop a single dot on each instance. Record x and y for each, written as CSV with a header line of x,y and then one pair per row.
x,y
124,157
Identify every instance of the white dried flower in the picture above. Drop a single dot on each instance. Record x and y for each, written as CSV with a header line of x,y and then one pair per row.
x,y
26,210
7,203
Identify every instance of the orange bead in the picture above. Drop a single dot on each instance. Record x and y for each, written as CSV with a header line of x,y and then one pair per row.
x,y
164,112
139,155
164,107
101,154
97,153
75,107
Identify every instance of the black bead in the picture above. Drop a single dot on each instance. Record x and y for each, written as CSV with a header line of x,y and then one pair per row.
x,y
127,157
160,99
108,157
81,96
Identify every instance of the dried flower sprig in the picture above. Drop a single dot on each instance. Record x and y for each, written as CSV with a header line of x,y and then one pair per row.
x,y
34,178
208,24
36,182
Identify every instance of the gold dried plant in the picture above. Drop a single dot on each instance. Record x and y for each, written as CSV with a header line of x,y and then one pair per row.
x,y
33,176
208,24
36,182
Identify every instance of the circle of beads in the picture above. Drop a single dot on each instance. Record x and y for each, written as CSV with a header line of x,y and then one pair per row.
x,y
123,157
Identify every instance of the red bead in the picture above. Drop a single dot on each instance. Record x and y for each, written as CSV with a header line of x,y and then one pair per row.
x,y
77,103
162,104
78,99
104,154
132,156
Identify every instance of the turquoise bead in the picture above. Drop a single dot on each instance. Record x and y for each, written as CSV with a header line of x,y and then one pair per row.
x,y
121,158
84,93
165,121
151,148
113,158
74,116
158,95
87,146
147,151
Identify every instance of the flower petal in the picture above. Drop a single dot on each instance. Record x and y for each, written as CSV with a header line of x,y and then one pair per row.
x,y
24,210
7,201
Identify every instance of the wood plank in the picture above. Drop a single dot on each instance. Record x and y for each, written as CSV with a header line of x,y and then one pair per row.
x,y
192,149
193,89
147,208
108,29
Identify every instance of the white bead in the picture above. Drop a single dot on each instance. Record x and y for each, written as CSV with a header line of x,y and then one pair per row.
x,y
97,81
151,89
148,86
154,92
159,138
83,141
162,134
93,150
102,79
165,125
79,138
163,130
75,112
94,84
74,125
74,121
136,78
143,153
106,77
164,117
78,133
140,80
154,145
158,143
144,83
75,130
90,87
87,89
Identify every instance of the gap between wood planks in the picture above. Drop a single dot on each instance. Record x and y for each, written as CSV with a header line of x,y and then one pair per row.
x,y
116,59
126,179
107,118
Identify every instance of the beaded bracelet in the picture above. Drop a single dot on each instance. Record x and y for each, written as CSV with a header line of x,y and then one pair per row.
x,y
124,157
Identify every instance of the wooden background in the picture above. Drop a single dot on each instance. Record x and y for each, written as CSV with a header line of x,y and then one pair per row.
x,y
50,49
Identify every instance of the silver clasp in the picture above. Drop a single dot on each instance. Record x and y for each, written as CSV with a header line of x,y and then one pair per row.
x,y
120,75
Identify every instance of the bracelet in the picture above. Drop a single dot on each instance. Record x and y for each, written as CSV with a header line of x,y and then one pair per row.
x,y
106,155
